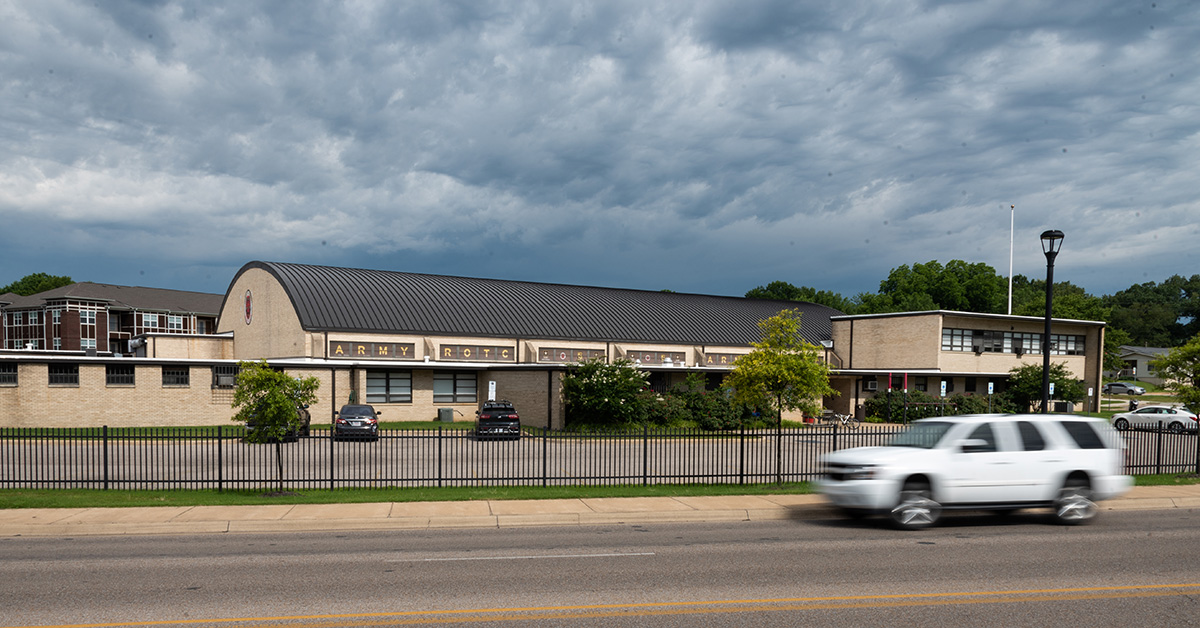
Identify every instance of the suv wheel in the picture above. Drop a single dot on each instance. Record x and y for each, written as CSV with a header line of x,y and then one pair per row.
x,y
1074,504
916,508
1175,427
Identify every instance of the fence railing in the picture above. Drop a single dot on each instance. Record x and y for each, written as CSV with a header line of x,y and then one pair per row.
x,y
219,457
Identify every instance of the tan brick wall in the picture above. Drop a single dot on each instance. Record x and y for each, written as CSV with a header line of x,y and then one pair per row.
x,y
274,329
887,342
34,403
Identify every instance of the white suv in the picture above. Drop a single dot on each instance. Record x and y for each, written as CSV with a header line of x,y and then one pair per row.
x,y
981,462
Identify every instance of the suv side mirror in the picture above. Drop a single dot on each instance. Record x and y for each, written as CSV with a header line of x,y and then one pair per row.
x,y
974,445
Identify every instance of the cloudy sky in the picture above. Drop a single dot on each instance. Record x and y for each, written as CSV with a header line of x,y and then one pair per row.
x,y
694,146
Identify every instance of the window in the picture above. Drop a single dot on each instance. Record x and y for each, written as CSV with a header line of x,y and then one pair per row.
x,y
454,388
87,317
174,322
64,374
1083,434
8,374
18,318
149,320
1030,436
118,375
919,383
970,384
985,434
175,376
389,386
225,376
87,343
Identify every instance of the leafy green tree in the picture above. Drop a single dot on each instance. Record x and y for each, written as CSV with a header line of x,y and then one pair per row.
x,y
1070,301
783,371
1180,369
1158,314
598,393
710,409
1025,385
35,283
271,401
1114,339
956,286
784,291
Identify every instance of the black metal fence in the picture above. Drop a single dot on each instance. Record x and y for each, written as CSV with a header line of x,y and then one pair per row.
x,y
219,458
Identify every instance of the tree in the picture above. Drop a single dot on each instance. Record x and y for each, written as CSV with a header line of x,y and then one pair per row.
x,y
783,370
1025,385
784,291
931,286
599,393
1114,339
35,283
1180,369
271,401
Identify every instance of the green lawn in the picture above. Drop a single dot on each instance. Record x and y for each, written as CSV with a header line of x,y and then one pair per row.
x,y
80,498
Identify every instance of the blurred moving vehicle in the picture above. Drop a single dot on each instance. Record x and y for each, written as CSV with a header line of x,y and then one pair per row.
x,y
1122,388
1000,463
497,419
356,421
1174,419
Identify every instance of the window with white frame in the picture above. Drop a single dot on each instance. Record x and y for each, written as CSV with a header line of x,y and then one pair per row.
x,y
174,322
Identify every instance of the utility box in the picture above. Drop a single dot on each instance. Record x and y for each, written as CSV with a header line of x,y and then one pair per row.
x,y
446,415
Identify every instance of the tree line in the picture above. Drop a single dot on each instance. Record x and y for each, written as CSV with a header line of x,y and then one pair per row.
x,y
1151,314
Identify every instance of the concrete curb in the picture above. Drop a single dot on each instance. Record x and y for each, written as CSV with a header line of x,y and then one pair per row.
x,y
71,522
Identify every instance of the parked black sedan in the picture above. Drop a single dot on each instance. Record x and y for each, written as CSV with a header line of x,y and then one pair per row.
x,y
356,421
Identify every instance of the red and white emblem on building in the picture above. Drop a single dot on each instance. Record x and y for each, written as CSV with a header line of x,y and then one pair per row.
x,y
249,307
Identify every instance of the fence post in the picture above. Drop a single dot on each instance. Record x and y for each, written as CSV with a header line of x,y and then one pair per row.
x,y
439,456
220,462
742,454
104,431
645,454
1159,447
545,444
332,467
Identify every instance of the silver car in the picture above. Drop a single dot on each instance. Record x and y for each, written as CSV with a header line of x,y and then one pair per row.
x,y
1122,388
1174,419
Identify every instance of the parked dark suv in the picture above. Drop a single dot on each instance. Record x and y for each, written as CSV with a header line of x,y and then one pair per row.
x,y
497,419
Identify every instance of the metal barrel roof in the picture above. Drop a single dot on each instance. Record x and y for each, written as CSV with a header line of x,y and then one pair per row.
x,y
329,298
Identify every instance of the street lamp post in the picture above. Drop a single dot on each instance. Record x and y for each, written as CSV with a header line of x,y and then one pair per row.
x,y
1051,243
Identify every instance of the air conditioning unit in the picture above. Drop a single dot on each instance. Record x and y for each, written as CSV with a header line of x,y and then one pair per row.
x,y
871,384
226,381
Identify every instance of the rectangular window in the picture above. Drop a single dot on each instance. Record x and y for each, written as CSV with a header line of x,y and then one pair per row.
x,y
919,384
18,318
225,376
969,385
8,374
454,387
149,320
64,374
87,317
174,323
118,375
389,386
87,343
176,376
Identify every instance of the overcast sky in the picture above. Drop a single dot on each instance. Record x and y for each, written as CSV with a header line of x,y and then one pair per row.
x,y
703,147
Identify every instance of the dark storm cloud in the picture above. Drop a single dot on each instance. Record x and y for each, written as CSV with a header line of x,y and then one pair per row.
x,y
707,147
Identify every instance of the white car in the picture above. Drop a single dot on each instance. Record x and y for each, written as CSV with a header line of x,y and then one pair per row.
x,y
1174,419
981,462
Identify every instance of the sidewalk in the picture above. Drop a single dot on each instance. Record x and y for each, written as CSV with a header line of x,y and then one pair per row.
x,y
471,514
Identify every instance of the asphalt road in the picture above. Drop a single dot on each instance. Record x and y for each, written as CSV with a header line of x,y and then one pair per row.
x,y
1128,569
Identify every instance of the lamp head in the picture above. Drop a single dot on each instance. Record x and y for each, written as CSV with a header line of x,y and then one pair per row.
x,y
1051,243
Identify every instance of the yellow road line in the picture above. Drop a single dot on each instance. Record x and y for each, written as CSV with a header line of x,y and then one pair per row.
x,y
679,608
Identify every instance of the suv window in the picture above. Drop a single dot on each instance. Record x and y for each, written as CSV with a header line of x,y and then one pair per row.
x,y
984,432
1084,434
1031,437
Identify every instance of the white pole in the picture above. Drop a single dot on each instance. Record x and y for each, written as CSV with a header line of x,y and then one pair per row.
x,y
1012,223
